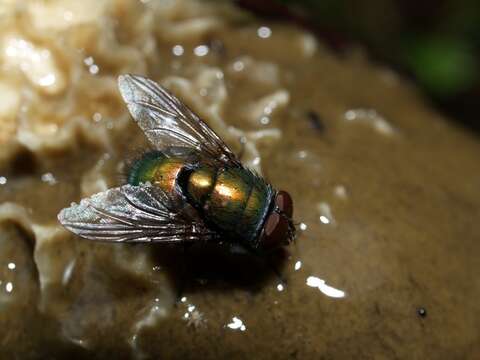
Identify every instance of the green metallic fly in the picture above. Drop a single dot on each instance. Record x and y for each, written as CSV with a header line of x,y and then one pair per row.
x,y
190,188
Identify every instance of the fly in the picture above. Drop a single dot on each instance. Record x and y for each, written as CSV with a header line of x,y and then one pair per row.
x,y
191,188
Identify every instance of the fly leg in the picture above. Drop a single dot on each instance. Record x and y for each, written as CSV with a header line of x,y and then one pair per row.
x,y
266,260
185,273
269,263
276,271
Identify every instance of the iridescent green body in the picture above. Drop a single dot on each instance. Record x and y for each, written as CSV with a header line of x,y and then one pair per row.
x,y
191,189
233,201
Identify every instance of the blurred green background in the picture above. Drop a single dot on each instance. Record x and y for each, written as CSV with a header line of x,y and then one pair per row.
x,y
436,43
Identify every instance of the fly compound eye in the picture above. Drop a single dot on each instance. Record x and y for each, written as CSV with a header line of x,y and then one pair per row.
x,y
275,231
284,203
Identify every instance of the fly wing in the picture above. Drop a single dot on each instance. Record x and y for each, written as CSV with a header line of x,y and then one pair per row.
x,y
134,214
168,123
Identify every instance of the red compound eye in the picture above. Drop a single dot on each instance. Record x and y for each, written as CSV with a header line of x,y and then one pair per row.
x,y
275,231
284,203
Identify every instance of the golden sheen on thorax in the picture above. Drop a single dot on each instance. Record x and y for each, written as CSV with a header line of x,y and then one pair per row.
x,y
165,174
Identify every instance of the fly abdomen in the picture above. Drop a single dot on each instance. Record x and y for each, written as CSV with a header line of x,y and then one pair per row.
x,y
233,200
227,200
255,212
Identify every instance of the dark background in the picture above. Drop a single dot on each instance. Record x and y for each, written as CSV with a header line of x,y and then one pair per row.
x,y
435,43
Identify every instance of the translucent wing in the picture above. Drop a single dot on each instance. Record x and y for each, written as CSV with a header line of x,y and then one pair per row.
x,y
168,123
133,214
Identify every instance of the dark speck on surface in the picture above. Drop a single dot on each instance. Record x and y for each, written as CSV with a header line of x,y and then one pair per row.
x,y
422,312
315,121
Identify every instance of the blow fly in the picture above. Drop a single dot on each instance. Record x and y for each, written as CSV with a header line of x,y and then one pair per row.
x,y
190,188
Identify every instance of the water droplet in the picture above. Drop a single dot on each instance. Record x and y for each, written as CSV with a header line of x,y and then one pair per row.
x,y
88,61
201,50
264,32
302,154
238,65
298,265
49,178
97,117
330,291
372,118
326,216
93,69
264,120
237,324
340,191
178,50
350,115
47,80
324,219
67,273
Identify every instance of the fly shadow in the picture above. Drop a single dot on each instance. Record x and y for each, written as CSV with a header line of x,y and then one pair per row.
x,y
219,267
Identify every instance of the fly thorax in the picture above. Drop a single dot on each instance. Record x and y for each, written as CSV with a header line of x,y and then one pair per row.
x,y
166,174
156,168
143,169
200,184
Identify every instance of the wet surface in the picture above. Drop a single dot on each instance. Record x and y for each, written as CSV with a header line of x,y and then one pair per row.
x,y
386,197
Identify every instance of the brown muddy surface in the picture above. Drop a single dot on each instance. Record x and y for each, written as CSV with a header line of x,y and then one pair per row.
x,y
386,194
